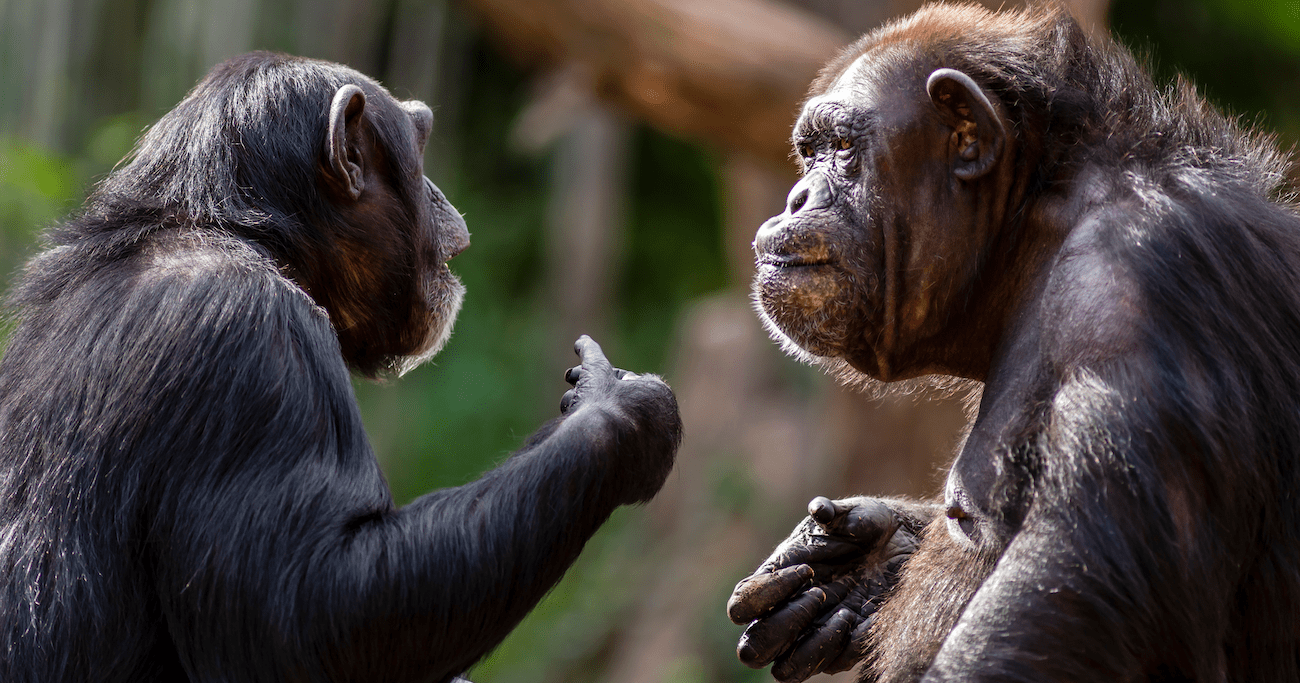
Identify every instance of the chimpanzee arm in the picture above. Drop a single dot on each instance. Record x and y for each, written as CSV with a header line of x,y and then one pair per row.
x,y
500,543
277,545
1075,594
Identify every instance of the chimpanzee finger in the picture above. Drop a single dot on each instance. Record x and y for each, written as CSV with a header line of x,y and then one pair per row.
x,y
895,564
591,354
861,594
812,654
573,374
867,521
839,589
855,650
767,638
823,510
758,594
870,520
814,550
566,401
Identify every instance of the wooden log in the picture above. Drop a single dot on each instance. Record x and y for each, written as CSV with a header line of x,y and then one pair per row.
x,y
729,73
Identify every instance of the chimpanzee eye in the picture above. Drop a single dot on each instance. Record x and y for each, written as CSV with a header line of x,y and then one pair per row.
x,y
848,157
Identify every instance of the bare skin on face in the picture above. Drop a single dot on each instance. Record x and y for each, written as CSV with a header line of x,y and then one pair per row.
x,y
999,199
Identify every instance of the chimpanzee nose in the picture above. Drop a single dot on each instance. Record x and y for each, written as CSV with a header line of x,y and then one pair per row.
x,y
813,191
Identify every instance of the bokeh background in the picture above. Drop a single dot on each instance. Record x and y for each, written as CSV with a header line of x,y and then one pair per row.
x,y
613,159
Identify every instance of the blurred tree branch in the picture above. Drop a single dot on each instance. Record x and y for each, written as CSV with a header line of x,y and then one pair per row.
x,y
731,73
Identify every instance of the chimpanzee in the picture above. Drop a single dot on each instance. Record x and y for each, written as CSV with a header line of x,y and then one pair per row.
x,y
186,489
998,198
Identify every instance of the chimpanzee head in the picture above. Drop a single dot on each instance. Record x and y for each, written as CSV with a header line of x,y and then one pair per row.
x,y
323,169
911,169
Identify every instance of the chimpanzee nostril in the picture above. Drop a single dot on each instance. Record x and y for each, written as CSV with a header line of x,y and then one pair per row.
x,y
813,191
798,200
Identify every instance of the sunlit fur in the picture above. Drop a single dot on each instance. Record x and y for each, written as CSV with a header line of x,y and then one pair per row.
x,y
187,492
927,386
444,295
1135,461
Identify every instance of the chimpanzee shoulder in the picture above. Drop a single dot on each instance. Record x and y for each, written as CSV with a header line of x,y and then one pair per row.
x,y
186,488
1117,262
194,337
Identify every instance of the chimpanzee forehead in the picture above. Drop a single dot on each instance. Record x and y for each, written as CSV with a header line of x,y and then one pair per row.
x,y
827,113
855,75
895,65
850,100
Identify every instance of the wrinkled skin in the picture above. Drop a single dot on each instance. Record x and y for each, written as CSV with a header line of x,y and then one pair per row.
x,y
1001,199
823,585
836,282
851,274
857,274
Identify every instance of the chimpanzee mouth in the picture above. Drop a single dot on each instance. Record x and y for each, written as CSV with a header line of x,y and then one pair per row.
x,y
794,261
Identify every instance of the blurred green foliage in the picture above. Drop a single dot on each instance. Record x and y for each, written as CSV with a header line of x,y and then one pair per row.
x,y
1243,54
36,187
1277,23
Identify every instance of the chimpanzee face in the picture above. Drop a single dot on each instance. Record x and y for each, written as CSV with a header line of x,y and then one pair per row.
x,y
441,235
399,232
873,251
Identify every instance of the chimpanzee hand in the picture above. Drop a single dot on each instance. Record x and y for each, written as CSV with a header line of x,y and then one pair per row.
x,y
811,602
640,408
597,381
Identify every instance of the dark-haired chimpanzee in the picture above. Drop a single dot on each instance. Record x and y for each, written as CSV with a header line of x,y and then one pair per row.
x,y
1001,199
186,489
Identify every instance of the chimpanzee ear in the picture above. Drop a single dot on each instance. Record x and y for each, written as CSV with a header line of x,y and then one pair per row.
x,y
344,168
978,134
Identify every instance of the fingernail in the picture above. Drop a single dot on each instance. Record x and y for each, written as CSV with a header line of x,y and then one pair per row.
x,y
822,509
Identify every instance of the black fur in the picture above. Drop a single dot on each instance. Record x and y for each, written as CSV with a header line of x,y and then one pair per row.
x,y
1125,507
1160,535
186,488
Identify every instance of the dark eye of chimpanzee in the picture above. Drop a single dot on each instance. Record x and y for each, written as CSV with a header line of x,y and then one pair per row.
x,y
846,155
1085,278
224,385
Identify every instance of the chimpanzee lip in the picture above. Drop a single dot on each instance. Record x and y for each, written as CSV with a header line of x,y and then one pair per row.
x,y
792,261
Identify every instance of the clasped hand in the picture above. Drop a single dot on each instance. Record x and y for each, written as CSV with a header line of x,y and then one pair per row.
x,y
810,604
